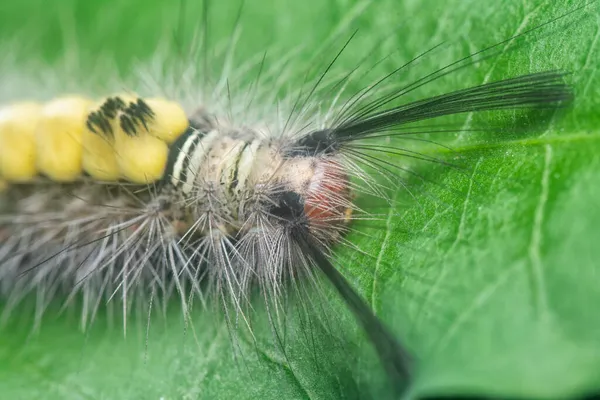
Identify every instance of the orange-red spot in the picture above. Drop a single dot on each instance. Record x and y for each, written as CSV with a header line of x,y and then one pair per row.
x,y
328,195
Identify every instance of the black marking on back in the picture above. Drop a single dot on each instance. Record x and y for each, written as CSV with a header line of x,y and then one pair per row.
x,y
137,113
321,142
131,116
100,119
288,206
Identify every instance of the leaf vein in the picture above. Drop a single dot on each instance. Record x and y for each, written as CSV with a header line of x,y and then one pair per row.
x,y
386,239
536,270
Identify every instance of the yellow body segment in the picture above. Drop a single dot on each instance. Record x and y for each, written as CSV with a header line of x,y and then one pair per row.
x,y
17,141
141,158
170,120
59,137
99,158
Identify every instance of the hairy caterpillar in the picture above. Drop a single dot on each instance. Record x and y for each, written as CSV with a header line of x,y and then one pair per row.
x,y
296,193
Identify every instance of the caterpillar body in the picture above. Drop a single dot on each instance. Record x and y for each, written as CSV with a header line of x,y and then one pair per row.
x,y
133,195
231,206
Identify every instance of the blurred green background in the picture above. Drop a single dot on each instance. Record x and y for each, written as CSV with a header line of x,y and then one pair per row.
x,y
493,284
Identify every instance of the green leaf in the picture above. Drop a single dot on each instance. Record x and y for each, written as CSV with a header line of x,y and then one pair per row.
x,y
490,274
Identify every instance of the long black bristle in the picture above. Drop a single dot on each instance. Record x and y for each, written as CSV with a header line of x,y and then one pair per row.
x,y
543,90
394,357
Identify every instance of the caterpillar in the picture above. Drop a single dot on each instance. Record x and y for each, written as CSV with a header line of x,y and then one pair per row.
x,y
248,208
130,193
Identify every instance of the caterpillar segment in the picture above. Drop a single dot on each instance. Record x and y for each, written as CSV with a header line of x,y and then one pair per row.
x,y
120,138
17,141
136,135
58,138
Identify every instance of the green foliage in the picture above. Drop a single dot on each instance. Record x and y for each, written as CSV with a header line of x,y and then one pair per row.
x,y
489,274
